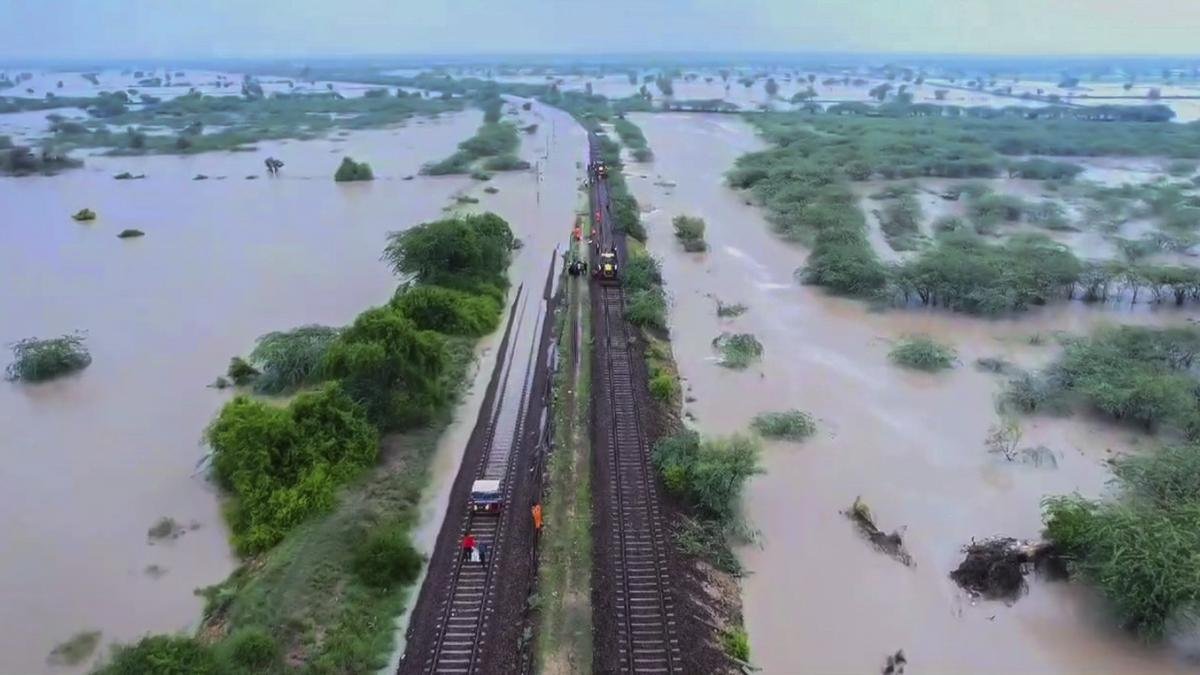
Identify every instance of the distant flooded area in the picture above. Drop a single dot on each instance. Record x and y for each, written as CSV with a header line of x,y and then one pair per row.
x,y
818,597
96,459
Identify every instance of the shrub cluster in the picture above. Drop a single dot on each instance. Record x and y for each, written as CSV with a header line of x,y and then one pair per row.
x,y
689,231
494,141
286,360
281,465
37,360
631,135
792,425
921,352
1142,375
350,170
708,474
1140,549
738,350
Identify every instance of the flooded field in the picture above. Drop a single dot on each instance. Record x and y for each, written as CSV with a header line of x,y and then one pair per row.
x,y
94,460
818,598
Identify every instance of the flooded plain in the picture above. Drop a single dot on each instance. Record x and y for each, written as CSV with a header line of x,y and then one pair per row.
x,y
95,459
818,598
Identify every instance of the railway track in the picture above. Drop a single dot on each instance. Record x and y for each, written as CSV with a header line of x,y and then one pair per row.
x,y
463,623
643,604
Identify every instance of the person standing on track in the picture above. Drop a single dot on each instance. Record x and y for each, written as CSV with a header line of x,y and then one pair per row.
x,y
468,546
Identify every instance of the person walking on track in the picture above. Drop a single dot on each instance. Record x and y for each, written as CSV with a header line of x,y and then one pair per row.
x,y
468,546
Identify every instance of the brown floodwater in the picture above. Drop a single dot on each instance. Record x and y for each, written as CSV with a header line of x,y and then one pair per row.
x,y
818,598
93,460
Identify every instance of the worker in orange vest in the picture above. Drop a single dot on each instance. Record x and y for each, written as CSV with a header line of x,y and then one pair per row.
x,y
537,516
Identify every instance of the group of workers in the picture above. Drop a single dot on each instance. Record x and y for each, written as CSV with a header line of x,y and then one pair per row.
x,y
477,552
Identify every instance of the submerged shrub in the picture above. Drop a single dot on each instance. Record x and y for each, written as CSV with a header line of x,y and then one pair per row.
x,y
738,350
923,353
690,232
385,557
130,234
793,425
37,360
350,170
290,359
240,372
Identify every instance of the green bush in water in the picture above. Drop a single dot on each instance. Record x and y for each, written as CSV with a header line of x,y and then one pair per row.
x,y
385,558
449,311
350,170
1140,549
923,353
456,252
792,425
690,232
130,234
738,350
162,655
83,215
37,360
290,359
283,465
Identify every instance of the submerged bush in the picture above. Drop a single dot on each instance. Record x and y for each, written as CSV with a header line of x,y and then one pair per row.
x,y
456,252
1138,550
162,655
792,425
240,372
385,557
923,353
130,234
37,360
350,170
690,232
506,162
282,465
738,350
290,359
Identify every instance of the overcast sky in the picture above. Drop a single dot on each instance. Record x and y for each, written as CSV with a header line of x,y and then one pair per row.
x,y
71,29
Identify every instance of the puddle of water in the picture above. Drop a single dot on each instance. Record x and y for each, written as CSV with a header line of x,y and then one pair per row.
x,y
818,597
95,459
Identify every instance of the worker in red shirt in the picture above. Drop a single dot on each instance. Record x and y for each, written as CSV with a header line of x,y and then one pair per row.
x,y
468,546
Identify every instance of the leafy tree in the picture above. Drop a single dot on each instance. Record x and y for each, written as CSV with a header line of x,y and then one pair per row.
x,y
282,464
457,252
390,366
349,170
447,310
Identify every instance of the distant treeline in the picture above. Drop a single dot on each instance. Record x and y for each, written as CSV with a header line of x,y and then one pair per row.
x,y
805,184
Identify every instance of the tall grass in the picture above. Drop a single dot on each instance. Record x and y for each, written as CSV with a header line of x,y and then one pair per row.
x,y
288,360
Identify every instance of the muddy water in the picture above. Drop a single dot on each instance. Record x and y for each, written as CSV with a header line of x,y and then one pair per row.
x,y
539,204
818,598
93,460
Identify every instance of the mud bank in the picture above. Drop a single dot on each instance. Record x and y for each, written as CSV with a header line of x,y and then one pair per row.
x,y
95,459
818,598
